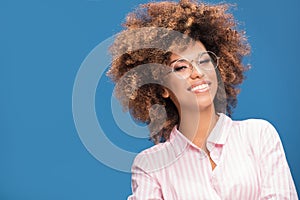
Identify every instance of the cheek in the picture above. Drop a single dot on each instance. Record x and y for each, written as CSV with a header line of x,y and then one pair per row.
x,y
212,75
179,88
176,85
214,79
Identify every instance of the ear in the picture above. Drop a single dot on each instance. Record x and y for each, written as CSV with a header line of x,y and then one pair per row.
x,y
165,93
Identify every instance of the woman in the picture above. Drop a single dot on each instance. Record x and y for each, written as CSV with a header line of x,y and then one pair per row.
x,y
200,153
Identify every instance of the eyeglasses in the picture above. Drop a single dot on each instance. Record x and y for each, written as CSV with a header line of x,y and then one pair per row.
x,y
206,60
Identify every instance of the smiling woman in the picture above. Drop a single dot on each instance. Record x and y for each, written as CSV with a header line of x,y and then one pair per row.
x,y
200,152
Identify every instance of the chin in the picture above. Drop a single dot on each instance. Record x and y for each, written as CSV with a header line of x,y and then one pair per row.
x,y
204,105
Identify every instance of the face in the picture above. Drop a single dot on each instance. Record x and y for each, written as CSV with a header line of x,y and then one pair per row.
x,y
196,91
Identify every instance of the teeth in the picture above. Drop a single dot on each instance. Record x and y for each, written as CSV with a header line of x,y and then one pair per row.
x,y
199,87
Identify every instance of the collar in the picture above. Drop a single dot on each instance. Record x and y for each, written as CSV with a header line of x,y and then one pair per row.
x,y
217,137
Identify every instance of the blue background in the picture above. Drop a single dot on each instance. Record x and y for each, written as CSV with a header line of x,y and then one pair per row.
x,y
42,45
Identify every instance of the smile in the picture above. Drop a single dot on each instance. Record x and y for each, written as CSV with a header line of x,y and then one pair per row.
x,y
200,88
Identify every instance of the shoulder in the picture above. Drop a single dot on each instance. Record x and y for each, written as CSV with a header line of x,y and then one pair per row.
x,y
255,127
153,150
252,123
246,130
252,136
255,133
243,127
154,158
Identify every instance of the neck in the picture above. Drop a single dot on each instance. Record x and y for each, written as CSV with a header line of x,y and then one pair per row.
x,y
196,126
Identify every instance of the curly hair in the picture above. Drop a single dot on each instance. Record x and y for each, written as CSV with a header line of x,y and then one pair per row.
x,y
211,24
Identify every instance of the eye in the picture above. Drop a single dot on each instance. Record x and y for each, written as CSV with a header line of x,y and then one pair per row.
x,y
180,65
179,68
205,61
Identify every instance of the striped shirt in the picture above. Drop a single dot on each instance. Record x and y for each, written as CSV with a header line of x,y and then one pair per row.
x,y
250,164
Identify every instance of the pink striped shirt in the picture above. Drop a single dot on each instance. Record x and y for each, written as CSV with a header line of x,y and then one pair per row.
x,y
250,164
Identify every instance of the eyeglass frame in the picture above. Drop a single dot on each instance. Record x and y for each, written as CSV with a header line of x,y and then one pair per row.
x,y
216,64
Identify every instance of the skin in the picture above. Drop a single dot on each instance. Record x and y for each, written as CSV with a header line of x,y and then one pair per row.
x,y
196,108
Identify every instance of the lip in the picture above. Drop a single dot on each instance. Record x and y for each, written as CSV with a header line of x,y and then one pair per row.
x,y
198,84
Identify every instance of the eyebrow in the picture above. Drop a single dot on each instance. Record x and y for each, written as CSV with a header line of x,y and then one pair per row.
x,y
174,61
177,60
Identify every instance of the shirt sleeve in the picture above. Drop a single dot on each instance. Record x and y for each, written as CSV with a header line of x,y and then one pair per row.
x,y
144,186
277,181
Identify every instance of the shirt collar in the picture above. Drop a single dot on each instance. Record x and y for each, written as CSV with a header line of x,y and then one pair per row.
x,y
217,137
219,134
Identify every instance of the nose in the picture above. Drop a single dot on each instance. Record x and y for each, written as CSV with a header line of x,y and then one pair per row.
x,y
196,72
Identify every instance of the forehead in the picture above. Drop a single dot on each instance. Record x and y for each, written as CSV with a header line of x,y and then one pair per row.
x,y
190,52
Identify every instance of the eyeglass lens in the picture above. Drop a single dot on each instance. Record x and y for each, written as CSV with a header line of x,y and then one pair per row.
x,y
206,61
